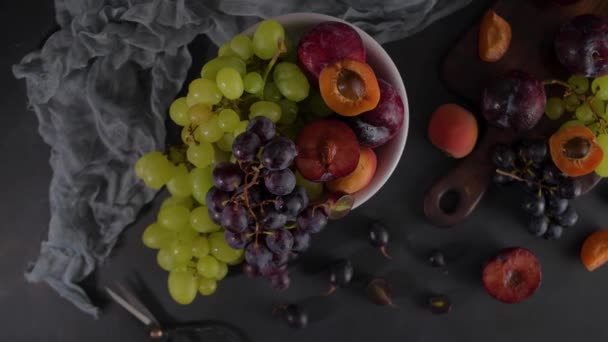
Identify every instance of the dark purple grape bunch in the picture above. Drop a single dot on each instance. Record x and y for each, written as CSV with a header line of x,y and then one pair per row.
x,y
257,202
548,190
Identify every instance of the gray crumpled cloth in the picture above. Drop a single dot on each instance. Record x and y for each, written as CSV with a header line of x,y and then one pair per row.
x,y
101,85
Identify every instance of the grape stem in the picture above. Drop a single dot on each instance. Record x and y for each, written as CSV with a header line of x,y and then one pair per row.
x,y
281,49
557,82
517,178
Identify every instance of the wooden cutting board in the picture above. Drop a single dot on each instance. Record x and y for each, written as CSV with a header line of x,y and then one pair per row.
x,y
534,24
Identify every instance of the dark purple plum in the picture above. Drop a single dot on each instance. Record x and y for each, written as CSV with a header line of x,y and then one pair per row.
x,y
378,126
326,43
516,100
582,45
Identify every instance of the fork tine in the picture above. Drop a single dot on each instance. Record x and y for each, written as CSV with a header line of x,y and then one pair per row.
x,y
131,298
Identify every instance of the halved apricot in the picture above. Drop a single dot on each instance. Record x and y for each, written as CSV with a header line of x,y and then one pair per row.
x,y
575,150
594,252
349,87
494,37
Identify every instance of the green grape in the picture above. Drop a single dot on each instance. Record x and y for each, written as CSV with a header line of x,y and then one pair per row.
x,y
598,106
228,120
230,83
584,113
602,169
225,143
221,250
177,154
165,259
154,169
571,102
188,266
268,109
201,183
183,286
253,82
200,221
241,127
579,83
188,137
179,184
554,108
208,267
594,127
210,69
200,113
179,112
182,250
200,155
210,131
186,233
242,46
222,272
226,51
313,189
206,286
156,237
267,37
220,156
570,124
200,246
291,81
289,112
173,217
185,202
204,91
599,86
272,93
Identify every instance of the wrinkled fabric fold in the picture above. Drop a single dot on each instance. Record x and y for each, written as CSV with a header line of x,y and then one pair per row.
x,y
101,85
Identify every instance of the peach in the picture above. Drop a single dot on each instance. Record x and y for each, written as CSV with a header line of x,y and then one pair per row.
x,y
453,130
361,177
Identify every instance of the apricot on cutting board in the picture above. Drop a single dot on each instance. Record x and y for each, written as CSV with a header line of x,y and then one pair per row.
x,y
594,252
361,177
494,37
349,87
575,150
453,130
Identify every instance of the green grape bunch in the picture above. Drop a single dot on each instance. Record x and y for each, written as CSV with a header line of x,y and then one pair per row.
x,y
586,101
251,76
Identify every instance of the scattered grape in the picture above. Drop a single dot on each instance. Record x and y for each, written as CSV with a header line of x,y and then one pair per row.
x,y
173,218
222,251
281,182
183,286
208,266
555,108
571,102
228,120
200,155
182,250
230,83
263,128
267,109
272,93
199,113
206,286
185,202
165,259
599,87
200,246
154,169
579,83
201,222
278,154
201,182
210,131
291,81
584,113
602,169
267,38
179,185
253,82
204,91
156,237
246,146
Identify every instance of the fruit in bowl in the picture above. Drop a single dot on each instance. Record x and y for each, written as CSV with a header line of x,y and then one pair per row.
x,y
269,154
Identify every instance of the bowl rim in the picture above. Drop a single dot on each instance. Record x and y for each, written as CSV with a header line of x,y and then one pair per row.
x,y
370,43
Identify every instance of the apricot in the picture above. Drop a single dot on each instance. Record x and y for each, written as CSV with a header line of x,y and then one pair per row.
x,y
575,150
494,37
349,87
453,130
594,252
361,177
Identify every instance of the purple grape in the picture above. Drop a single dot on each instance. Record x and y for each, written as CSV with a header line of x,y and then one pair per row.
x,y
312,220
281,182
217,199
294,203
341,273
271,219
227,176
301,241
295,316
250,270
246,146
280,241
263,127
281,281
258,255
582,45
236,240
279,154
235,218
517,100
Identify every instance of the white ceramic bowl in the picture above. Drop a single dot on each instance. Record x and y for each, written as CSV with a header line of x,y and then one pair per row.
x,y
389,154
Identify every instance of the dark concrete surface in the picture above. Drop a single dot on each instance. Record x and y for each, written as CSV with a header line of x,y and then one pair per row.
x,y
570,305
